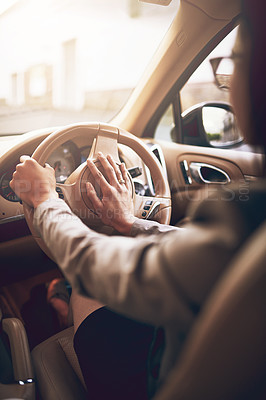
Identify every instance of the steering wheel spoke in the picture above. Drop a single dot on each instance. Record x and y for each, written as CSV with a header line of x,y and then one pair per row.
x,y
66,192
148,207
106,143
74,194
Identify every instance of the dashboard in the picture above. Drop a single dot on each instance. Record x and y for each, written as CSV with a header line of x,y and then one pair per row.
x,y
65,159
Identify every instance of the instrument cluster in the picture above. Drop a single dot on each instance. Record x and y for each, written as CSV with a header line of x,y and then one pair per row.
x,y
65,159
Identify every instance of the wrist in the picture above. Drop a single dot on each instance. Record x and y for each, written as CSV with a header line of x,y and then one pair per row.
x,y
125,226
49,196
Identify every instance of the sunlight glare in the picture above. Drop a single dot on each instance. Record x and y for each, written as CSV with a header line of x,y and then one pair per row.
x,y
6,4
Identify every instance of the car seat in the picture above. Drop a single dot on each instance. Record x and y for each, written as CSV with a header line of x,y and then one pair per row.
x,y
224,357
16,362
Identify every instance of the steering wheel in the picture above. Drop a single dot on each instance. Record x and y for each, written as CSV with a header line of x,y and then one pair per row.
x,y
105,138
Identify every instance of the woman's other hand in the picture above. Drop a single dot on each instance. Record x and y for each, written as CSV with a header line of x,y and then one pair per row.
x,y
115,208
33,183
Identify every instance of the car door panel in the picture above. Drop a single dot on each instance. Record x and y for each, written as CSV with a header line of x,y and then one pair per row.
x,y
180,159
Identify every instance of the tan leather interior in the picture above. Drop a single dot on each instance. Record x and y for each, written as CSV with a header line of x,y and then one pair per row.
x,y
24,385
224,357
238,165
57,370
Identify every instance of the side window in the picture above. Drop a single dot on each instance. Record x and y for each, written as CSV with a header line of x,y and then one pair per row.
x,y
165,125
207,117
201,87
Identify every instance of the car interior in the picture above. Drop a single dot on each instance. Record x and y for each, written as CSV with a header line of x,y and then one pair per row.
x,y
176,152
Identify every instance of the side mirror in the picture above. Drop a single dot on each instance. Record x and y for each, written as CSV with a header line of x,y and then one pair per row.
x,y
210,124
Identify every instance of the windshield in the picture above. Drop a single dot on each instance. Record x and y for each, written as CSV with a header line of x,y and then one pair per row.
x,y
64,61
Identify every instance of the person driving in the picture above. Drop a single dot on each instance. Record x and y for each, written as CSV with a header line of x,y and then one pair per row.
x,y
149,285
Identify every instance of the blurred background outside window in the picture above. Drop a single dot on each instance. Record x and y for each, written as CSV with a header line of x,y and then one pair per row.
x,y
64,61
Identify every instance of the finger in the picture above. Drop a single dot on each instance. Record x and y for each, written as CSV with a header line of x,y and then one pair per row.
x,y
11,183
116,168
24,158
92,195
125,176
19,185
98,176
26,161
109,169
48,166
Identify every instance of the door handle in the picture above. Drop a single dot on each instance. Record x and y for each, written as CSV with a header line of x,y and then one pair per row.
x,y
206,173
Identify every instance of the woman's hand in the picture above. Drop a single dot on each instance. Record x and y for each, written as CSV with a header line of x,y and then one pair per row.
x,y
115,208
33,183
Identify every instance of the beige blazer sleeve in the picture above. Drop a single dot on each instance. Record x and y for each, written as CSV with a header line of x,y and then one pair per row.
x,y
159,279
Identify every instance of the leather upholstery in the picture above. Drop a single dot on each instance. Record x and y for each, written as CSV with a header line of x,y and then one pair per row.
x,y
224,356
23,386
57,370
